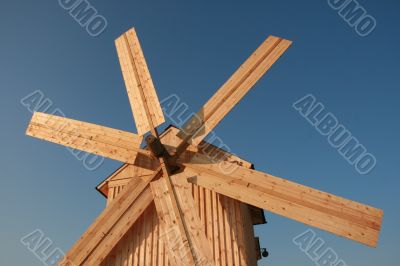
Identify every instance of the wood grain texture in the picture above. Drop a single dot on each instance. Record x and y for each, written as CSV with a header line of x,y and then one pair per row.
x,y
112,224
180,247
117,184
108,142
244,237
139,85
326,211
237,86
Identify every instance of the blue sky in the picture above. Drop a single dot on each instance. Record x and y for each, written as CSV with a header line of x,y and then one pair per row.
x,y
191,49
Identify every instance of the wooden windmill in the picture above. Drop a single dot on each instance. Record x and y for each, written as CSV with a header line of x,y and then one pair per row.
x,y
179,200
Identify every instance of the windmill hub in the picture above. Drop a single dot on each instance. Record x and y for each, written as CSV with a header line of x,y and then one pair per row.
x,y
156,147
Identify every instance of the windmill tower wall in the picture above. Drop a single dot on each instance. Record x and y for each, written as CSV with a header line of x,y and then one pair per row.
x,y
228,225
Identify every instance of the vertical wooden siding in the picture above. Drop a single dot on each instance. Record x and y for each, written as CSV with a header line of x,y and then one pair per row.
x,y
227,224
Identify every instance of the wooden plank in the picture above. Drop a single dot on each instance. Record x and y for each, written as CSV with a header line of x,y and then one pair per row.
x,y
328,212
172,234
137,243
108,142
126,248
243,256
139,85
160,247
112,223
209,218
131,249
197,243
118,257
148,235
234,232
250,247
216,234
156,237
124,251
110,195
142,241
120,228
202,206
227,232
221,228
61,123
137,231
198,127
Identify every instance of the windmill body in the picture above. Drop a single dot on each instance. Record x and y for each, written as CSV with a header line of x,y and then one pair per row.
x,y
174,202
227,223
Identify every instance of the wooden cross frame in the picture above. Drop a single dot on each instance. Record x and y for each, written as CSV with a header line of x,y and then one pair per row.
x,y
173,172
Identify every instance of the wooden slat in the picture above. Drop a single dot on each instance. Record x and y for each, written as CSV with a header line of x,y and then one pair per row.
x,y
209,218
148,233
228,236
172,235
137,242
198,127
234,234
131,247
160,246
142,241
141,92
221,228
243,256
108,142
248,234
197,243
216,234
110,195
156,237
120,228
328,212
112,223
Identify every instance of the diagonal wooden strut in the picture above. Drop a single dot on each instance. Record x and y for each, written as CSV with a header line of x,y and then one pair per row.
x,y
325,211
108,142
186,249
112,224
237,86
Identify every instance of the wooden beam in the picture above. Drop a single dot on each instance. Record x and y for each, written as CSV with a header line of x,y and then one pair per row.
x,y
112,224
108,142
187,249
325,211
198,127
142,95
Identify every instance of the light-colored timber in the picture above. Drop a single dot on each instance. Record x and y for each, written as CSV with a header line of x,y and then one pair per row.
x,y
139,85
198,127
171,232
244,236
108,142
313,207
148,115
112,223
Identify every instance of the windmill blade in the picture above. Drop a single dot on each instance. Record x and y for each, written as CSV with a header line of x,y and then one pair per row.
x,y
113,223
190,248
108,142
142,95
325,211
198,127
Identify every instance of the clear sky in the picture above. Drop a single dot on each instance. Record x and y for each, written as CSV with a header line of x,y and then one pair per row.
x,y
191,48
